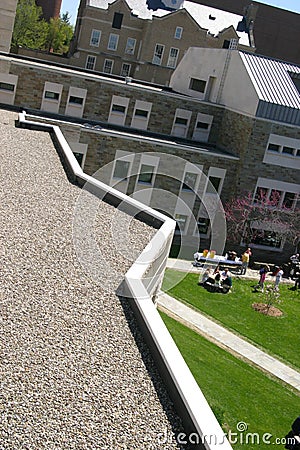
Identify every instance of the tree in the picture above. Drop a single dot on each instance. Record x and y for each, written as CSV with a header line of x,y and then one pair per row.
x,y
33,32
59,36
30,30
262,219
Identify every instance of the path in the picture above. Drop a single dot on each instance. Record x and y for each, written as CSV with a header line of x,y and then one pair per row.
x,y
222,337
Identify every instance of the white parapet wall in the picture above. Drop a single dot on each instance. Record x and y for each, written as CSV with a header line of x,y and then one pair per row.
x,y
141,283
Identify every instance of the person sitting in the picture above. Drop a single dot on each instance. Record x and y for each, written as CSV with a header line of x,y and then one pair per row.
x,y
206,276
226,280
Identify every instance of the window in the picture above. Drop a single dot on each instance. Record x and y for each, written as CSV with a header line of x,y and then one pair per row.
x,y
178,33
203,225
121,169
283,196
125,71
158,54
79,157
146,174
117,20
226,43
52,95
173,55
108,65
189,182
261,194
141,113
7,87
274,147
113,42
118,108
76,100
181,221
181,121
197,85
95,38
266,238
289,200
275,197
288,150
202,125
90,62
130,46
298,153
213,182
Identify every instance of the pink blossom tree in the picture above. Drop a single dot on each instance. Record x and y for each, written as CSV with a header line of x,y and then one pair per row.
x,y
249,217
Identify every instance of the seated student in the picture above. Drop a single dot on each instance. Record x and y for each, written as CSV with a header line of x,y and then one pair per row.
x,y
226,280
206,277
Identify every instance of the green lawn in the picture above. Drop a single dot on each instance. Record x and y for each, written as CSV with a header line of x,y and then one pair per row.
x,y
236,391
278,336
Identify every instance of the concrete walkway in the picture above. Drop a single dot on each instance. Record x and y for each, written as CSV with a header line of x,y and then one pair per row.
x,y
224,338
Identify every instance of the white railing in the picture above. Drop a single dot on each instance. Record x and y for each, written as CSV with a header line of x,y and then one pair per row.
x,y
141,283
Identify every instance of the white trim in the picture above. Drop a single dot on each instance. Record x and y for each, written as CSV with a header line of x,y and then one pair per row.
x,y
97,31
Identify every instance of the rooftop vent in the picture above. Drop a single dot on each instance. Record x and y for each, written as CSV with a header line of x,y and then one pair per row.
x,y
212,17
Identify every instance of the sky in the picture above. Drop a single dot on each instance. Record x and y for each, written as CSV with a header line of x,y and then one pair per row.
x,y
292,5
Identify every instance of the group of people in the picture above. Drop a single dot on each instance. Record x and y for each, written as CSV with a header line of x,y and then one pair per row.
x,y
217,280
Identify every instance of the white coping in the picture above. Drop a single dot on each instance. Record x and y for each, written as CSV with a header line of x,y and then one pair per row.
x,y
204,420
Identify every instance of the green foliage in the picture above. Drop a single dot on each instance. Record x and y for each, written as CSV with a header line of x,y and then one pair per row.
x,y
33,32
29,30
59,35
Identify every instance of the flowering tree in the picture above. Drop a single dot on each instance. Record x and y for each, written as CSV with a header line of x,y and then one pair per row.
x,y
263,218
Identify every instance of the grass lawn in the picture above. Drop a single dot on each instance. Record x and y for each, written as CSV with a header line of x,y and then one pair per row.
x,y
236,391
277,335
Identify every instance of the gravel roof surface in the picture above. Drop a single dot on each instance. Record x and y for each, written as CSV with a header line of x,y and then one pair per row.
x,y
74,370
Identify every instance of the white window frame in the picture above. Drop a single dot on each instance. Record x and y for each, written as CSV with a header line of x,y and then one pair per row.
x,y
203,118
157,60
186,223
116,117
94,42
74,108
178,33
122,68
215,172
111,66
183,114
280,158
113,42
129,49
172,61
280,186
142,121
87,62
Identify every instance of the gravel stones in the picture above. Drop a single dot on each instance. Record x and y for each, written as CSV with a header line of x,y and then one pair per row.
x,y
74,370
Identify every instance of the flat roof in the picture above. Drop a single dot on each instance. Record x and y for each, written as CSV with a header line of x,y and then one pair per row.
x,y
75,370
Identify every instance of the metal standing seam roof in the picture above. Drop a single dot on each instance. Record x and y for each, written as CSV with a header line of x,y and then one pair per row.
x,y
212,19
271,79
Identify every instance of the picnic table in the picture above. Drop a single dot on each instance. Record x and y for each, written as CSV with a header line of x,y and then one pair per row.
x,y
200,261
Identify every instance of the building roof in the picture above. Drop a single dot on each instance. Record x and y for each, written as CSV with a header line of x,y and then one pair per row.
x,y
59,321
212,19
279,97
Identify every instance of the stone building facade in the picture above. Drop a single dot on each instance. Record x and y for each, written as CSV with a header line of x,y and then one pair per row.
x,y
175,152
121,38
